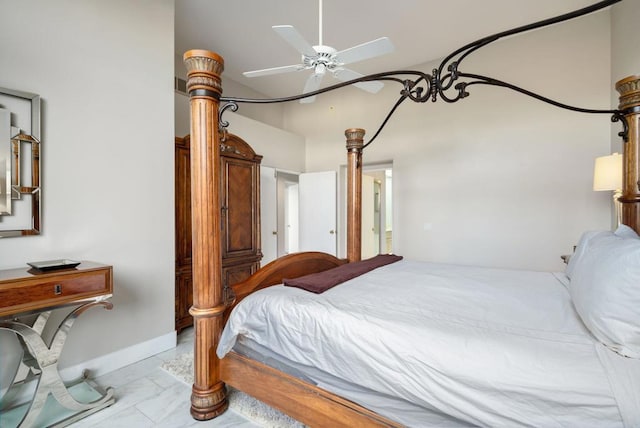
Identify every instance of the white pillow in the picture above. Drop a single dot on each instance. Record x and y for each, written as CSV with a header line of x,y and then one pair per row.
x,y
578,254
605,289
625,231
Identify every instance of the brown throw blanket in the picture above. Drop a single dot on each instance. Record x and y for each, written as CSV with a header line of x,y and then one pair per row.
x,y
322,281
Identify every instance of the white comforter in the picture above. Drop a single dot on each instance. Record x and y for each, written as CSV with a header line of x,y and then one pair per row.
x,y
489,347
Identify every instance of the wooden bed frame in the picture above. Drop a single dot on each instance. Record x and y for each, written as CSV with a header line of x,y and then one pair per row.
x,y
211,306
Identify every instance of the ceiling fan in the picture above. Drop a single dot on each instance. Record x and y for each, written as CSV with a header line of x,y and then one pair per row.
x,y
322,59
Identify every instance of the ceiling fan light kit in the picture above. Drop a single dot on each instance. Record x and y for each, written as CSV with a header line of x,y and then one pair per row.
x,y
321,58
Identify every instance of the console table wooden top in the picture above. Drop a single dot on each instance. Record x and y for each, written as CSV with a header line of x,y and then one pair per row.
x,y
24,290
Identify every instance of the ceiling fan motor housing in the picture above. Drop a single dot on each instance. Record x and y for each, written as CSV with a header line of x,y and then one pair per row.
x,y
324,60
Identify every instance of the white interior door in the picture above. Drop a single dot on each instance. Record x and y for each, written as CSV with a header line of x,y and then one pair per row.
x,y
268,214
317,215
291,229
369,244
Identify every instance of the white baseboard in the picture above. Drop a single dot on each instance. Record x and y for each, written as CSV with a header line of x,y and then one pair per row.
x,y
121,358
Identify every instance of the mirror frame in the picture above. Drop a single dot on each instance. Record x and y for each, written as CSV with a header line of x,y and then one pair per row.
x,y
15,143
5,163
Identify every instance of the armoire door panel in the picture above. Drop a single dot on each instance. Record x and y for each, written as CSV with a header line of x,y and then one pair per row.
x,y
239,207
234,274
184,300
183,202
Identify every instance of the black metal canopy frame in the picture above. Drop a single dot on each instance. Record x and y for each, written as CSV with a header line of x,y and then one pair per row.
x,y
447,81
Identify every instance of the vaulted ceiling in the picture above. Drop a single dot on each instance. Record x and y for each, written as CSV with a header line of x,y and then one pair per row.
x,y
421,31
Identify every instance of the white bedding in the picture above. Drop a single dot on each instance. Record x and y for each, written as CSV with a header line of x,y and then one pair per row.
x,y
489,347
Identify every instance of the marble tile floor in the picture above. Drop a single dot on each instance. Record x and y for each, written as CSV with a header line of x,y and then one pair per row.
x,y
147,396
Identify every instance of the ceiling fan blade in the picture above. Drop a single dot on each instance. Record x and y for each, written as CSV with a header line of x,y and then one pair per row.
x,y
345,74
291,36
274,70
312,84
364,51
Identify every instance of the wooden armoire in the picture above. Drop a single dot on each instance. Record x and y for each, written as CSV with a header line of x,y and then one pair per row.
x,y
240,194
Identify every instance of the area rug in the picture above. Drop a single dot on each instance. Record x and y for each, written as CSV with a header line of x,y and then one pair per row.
x,y
181,368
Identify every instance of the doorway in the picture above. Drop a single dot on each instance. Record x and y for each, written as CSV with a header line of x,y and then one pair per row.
x,y
278,213
377,209
283,234
288,213
377,204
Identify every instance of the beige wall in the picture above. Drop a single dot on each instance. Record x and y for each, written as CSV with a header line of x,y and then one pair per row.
x,y
104,70
625,39
497,179
279,148
625,51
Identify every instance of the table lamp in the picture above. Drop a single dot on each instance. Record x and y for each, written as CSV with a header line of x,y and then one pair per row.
x,y
607,175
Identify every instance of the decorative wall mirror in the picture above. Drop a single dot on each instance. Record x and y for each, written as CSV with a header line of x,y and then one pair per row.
x,y
20,191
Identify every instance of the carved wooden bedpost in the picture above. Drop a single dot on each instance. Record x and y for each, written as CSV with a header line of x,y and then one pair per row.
x,y
629,89
208,396
355,142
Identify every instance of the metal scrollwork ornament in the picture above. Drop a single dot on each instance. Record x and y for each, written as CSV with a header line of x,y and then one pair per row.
x,y
447,81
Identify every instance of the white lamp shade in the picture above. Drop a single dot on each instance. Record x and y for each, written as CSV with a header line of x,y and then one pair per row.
x,y
607,173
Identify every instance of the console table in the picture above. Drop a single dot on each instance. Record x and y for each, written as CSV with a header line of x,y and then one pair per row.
x,y
27,299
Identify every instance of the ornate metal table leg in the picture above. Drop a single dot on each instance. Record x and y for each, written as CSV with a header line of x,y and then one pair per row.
x,y
47,357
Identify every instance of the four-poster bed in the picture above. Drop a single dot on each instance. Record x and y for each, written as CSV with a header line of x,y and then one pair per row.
x,y
212,304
